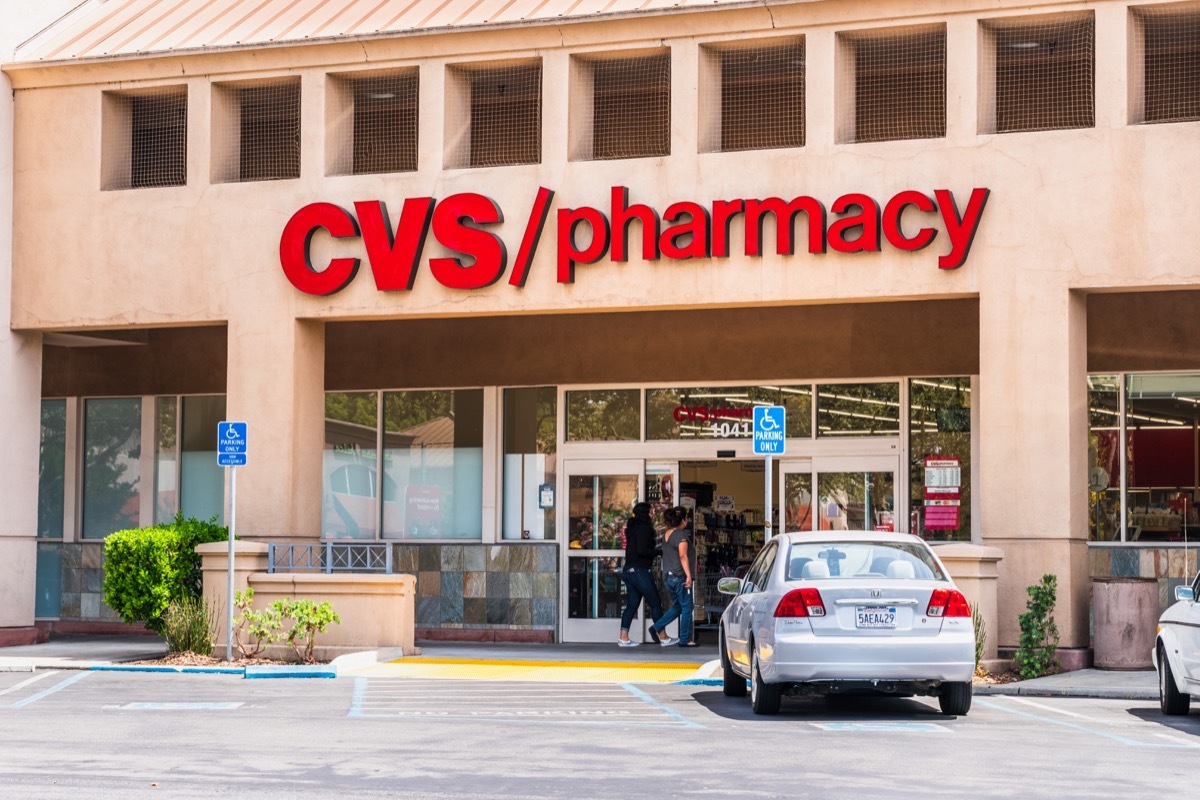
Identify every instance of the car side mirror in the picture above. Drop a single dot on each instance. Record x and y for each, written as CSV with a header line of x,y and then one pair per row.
x,y
1184,593
729,585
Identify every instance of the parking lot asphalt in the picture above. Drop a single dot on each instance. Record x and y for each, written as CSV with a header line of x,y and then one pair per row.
x,y
601,663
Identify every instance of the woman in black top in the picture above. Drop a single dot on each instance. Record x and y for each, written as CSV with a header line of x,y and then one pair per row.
x,y
639,582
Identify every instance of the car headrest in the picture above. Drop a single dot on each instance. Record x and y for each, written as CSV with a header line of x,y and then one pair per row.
x,y
815,569
900,569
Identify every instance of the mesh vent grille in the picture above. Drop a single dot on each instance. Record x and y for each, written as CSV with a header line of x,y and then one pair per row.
x,y
257,131
1171,47
762,97
899,85
385,123
505,114
144,143
1045,75
631,107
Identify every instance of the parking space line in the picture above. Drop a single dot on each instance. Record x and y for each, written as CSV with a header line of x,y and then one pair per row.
x,y
636,692
62,685
1062,711
1103,734
28,681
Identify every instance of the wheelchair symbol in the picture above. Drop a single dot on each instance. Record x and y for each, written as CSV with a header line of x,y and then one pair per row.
x,y
768,423
231,433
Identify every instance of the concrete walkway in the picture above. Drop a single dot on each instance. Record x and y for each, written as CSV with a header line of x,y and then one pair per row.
x,y
581,662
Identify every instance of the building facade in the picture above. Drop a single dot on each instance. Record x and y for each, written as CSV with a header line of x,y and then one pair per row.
x,y
480,276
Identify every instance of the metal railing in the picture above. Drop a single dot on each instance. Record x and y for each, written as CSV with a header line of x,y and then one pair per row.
x,y
330,556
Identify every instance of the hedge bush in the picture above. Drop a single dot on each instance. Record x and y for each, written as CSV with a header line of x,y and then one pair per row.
x,y
146,568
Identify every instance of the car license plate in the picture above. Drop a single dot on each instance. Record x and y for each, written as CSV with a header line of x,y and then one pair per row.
x,y
875,616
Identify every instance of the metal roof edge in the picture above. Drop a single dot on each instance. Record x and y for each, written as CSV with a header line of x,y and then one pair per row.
x,y
376,36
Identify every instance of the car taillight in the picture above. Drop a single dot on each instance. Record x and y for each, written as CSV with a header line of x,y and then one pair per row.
x,y
948,603
801,603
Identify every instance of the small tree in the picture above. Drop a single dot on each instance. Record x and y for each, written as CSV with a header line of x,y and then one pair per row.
x,y
1039,632
980,633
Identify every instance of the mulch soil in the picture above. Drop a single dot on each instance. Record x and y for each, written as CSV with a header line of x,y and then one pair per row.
x,y
197,660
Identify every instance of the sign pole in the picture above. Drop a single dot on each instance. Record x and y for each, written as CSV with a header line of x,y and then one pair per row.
x,y
232,528
768,502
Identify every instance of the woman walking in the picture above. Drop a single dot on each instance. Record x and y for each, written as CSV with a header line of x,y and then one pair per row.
x,y
639,582
679,567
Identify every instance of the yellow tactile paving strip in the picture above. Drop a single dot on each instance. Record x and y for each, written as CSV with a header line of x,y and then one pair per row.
x,y
522,670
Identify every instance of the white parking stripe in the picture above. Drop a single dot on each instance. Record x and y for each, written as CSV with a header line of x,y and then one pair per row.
x,y
1045,707
28,681
51,690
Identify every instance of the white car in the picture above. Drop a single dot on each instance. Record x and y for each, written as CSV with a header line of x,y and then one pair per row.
x,y
839,612
1177,651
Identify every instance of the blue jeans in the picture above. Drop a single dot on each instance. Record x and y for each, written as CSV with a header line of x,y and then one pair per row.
x,y
681,609
639,585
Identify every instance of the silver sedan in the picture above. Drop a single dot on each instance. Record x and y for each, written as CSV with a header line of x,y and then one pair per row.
x,y
1177,651
837,612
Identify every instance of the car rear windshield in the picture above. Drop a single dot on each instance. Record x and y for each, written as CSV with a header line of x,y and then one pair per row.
x,y
895,560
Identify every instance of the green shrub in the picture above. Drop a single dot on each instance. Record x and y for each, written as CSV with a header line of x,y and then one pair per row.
x,y
980,633
146,568
254,630
1039,632
309,619
188,626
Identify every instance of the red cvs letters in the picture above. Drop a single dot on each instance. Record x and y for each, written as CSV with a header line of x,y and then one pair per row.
x,y
462,223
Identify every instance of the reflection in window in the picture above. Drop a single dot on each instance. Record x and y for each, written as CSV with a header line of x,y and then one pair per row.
x,y
349,476
725,412
855,501
863,409
112,447
202,479
1104,457
166,459
939,416
433,454
603,415
594,588
530,442
51,465
598,508
1162,416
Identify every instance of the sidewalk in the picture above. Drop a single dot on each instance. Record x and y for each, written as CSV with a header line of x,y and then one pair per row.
x,y
515,662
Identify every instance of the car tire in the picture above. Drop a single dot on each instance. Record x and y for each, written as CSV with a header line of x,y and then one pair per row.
x,y
764,697
1170,699
955,698
734,685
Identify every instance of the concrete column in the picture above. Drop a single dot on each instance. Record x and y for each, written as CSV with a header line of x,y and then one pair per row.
x,y
248,558
20,403
276,377
1033,444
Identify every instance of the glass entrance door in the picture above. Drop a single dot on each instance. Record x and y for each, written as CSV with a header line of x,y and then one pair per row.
x,y
850,493
600,497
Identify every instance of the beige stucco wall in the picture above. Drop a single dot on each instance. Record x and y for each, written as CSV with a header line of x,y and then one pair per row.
x,y
20,360
1070,212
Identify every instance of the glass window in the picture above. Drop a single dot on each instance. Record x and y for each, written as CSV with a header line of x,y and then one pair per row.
x,y
166,459
725,412
603,415
858,409
939,417
202,479
112,449
597,510
855,501
48,603
433,456
1104,457
856,559
594,588
349,466
530,442
51,465
1162,413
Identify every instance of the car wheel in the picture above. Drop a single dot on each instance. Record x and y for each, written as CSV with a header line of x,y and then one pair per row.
x,y
1170,699
764,697
955,698
735,685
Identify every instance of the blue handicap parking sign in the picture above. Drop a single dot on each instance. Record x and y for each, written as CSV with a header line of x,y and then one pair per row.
x,y
231,444
770,430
